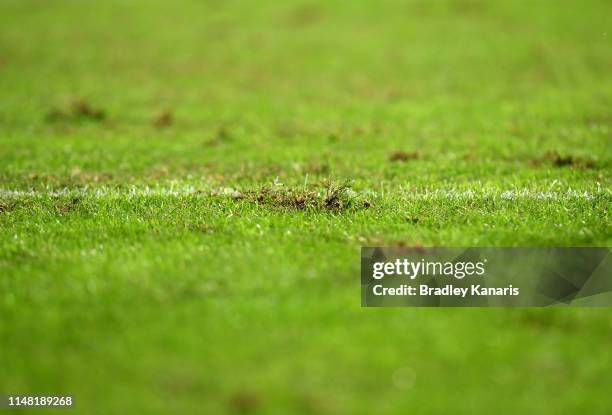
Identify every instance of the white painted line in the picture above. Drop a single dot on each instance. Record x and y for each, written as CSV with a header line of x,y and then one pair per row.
x,y
191,191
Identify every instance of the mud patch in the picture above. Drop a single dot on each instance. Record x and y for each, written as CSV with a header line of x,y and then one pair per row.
x,y
78,111
244,402
539,320
336,197
317,168
203,228
403,156
6,207
163,119
470,157
67,207
222,135
83,177
414,219
380,240
555,159
313,404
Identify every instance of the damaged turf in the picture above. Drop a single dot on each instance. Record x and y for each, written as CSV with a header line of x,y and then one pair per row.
x,y
79,110
556,159
335,197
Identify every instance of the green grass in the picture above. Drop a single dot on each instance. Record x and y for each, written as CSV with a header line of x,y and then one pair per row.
x,y
185,187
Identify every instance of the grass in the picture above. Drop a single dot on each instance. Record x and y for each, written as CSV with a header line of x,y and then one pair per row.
x,y
185,186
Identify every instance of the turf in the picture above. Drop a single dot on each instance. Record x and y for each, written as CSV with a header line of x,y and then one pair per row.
x,y
185,186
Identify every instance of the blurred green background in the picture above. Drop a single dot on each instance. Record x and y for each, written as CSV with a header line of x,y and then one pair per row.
x,y
232,286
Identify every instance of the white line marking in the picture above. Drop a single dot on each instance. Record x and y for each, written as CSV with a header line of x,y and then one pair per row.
x,y
192,191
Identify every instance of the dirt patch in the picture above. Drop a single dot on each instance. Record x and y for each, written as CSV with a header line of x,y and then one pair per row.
x,y
403,156
332,132
244,402
204,228
414,246
312,404
67,207
318,167
6,207
380,240
556,159
414,219
79,110
86,177
336,197
222,135
285,198
304,15
539,321
598,120
470,157
179,382
163,119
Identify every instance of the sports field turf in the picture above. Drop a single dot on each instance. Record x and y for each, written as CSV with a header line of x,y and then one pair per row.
x,y
185,187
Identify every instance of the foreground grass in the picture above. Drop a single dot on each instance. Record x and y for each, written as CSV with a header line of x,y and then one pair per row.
x,y
181,210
